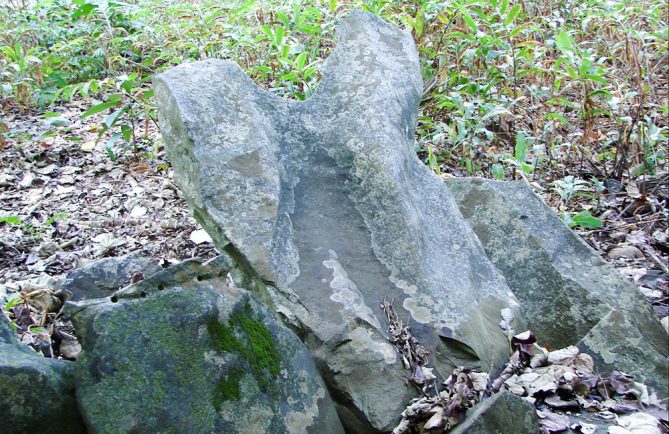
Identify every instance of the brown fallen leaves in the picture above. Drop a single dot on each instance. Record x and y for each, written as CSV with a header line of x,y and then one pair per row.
x,y
563,385
33,313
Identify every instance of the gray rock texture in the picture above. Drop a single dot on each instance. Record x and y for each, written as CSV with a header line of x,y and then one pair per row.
x,y
503,413
36,393
328,202
567,293
187,351
105,276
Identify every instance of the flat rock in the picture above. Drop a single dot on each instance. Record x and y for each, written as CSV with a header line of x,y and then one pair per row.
x,y
187,351
103,277
36,393
502,413
567,293
327,201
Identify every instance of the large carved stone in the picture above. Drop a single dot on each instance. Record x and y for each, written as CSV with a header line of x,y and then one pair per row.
x,y
327,200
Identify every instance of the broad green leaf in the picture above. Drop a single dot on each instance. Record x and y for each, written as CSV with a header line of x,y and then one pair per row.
x,y
513,13
83,10
100,107
467,18
526,168
458,35
111,120
14,301
301,61
126,132
11,220
564,42
56,217
309,29
586,220
418,23
598,92
502,7
596,78
278,36
520,149
556,117
498,171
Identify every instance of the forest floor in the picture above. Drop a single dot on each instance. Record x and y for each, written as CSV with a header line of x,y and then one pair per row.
x,y
74,203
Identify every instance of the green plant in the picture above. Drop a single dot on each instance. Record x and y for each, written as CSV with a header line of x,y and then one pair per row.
x,y
569,187
20,72
131,103
582,219
29,229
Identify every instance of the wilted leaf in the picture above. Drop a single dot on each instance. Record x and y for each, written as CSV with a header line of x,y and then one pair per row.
x,y
562,356
436,421
554,401
621,382
552,422
106,242
636,423
507,316
87,146
200,236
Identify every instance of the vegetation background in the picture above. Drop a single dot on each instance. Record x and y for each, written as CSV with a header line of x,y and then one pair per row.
x,y
570,96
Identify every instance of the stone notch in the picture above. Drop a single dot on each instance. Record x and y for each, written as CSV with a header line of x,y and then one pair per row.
x,y
328,202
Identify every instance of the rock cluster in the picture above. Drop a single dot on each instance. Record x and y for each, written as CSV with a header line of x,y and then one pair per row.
x,y
323,214
328,203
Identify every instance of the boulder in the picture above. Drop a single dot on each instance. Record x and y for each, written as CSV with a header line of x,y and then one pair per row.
x,y
567,293
328,202
105,276
500,414
36,393
187,351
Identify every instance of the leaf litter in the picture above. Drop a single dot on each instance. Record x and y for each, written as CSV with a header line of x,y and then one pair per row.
x,y
63,205
567,391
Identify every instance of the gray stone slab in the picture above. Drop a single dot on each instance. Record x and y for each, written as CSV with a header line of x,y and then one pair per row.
x,y
567,293
328,202
103,277
503,413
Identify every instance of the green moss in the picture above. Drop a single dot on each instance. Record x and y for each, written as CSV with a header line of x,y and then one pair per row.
x,y
259,350
227,388
224,337
254,346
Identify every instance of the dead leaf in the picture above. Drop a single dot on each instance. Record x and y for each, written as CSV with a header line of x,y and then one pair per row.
x,y
552,422
562,356
87,146
636,423
200,236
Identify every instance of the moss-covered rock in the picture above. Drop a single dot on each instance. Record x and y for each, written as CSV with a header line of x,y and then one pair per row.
x,y
36,393
185,351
